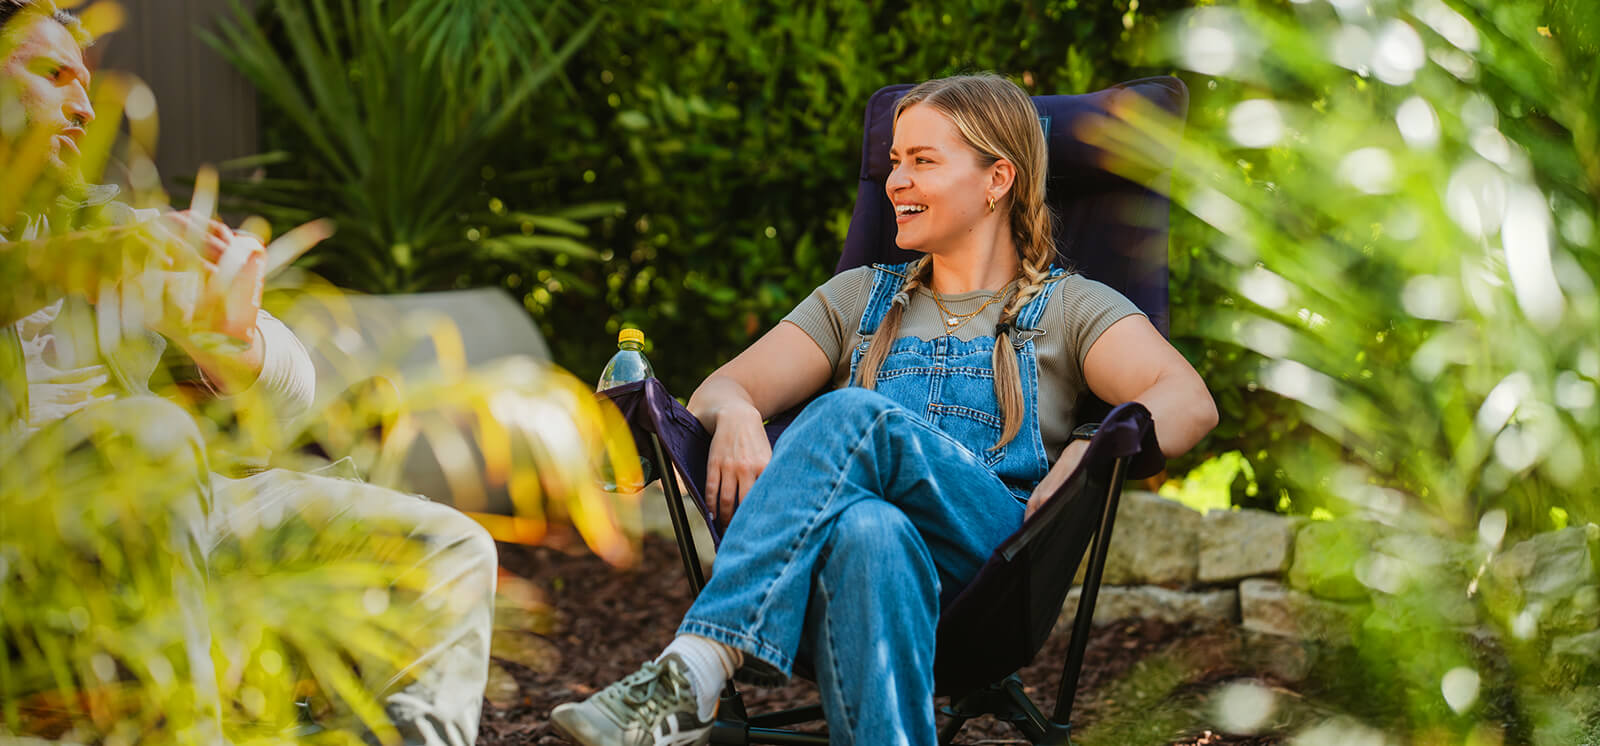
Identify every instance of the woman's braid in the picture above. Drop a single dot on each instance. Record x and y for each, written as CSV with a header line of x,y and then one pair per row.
x,y
889,328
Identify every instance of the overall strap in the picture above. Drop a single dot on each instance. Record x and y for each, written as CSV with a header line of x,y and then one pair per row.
x,y
886,282
1028,318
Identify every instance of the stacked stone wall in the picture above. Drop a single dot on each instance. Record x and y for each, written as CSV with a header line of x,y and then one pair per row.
x,y
1327,581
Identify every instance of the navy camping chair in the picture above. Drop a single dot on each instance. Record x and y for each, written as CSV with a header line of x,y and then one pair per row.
x,y
1111,226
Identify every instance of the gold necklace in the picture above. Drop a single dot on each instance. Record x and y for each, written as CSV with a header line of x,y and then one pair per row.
x,y
954,321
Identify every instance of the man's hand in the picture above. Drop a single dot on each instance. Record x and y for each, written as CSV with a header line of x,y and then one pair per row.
x,y
207,238
221,293
1057,476
210,311
739,453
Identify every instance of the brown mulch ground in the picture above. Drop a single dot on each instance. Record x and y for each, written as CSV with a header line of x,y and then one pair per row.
x,y
577,624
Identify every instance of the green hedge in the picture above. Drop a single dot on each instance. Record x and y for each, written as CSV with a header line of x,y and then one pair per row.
x,y
731,132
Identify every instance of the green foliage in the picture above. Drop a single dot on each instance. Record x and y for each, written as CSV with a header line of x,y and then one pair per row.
x,y
1210,486
1412,262
120,620
129,611
1393,275
388,117
731,131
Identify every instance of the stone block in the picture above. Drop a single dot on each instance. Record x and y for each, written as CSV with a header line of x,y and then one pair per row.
x,y
1289,659
1424,610
1326,556
1155,542
1237,544
1547,583
1155,602
1428,551
1270,607
1573,660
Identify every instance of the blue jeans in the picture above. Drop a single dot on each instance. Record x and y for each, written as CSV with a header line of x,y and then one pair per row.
x,y
864,514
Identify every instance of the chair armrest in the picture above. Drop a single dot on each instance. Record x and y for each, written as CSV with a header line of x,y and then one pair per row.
x,y
1126,433
652,412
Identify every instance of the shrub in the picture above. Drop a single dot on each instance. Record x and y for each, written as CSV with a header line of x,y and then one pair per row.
x,y
731,131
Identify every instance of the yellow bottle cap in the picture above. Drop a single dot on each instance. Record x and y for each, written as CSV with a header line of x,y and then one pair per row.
x,y
630,335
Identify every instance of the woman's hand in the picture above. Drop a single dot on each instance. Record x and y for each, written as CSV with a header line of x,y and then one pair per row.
x,y
739,453
777,372
1057,476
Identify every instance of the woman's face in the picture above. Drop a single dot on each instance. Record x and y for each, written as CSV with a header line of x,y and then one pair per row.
x,y
939,187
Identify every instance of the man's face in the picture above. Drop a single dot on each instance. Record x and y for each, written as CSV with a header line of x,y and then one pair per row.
x,y
44,65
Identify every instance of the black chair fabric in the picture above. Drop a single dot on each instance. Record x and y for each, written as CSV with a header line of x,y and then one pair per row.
x,y
1013,602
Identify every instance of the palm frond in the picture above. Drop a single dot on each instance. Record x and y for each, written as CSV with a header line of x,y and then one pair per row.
x,y
399,104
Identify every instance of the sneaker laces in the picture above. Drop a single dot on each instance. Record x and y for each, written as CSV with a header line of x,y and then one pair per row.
x,y
645,694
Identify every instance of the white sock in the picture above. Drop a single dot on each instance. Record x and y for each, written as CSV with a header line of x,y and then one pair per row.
x,y
710,665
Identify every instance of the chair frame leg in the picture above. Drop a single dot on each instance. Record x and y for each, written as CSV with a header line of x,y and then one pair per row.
x,y
1091,591
951,730
1005,701
680,519
733,726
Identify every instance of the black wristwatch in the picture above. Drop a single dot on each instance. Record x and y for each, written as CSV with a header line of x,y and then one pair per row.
x,y
1085,431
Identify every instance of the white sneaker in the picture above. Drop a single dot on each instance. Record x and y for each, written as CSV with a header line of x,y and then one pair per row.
x,y
654,706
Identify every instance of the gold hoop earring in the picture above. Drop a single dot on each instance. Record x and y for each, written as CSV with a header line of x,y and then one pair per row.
x,y
991,204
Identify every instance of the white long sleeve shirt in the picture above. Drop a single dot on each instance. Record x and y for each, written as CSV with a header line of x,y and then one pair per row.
x,y
67,372
67,366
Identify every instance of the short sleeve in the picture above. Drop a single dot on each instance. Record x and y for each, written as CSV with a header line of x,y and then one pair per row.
x,y
830,314
1090,309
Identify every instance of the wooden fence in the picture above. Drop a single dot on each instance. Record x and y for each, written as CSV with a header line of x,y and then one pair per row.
x,y
207,110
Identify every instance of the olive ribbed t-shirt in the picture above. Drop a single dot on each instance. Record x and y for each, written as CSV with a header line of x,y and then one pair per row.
x,y
1080,311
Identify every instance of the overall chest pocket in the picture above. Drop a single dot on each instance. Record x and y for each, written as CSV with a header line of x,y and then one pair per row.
x,y
952,389
976,429
965,407
954,392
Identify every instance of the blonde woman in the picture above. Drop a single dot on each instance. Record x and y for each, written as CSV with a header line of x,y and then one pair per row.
x,y
951,421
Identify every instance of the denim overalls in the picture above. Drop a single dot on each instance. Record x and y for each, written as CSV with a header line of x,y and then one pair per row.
x,y
951,383
874,503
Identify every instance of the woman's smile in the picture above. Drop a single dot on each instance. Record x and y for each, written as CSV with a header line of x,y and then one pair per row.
x,y
908,211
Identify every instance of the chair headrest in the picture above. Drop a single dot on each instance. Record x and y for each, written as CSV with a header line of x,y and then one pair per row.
x,y
1111,226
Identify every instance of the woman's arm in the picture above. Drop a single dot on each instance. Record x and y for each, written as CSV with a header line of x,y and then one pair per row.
x,y
782,369
1131,361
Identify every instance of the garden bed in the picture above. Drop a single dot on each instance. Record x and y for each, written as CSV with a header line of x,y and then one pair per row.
x,y
569,624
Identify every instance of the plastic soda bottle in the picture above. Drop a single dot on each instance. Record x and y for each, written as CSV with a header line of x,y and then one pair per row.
x,y
627,366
